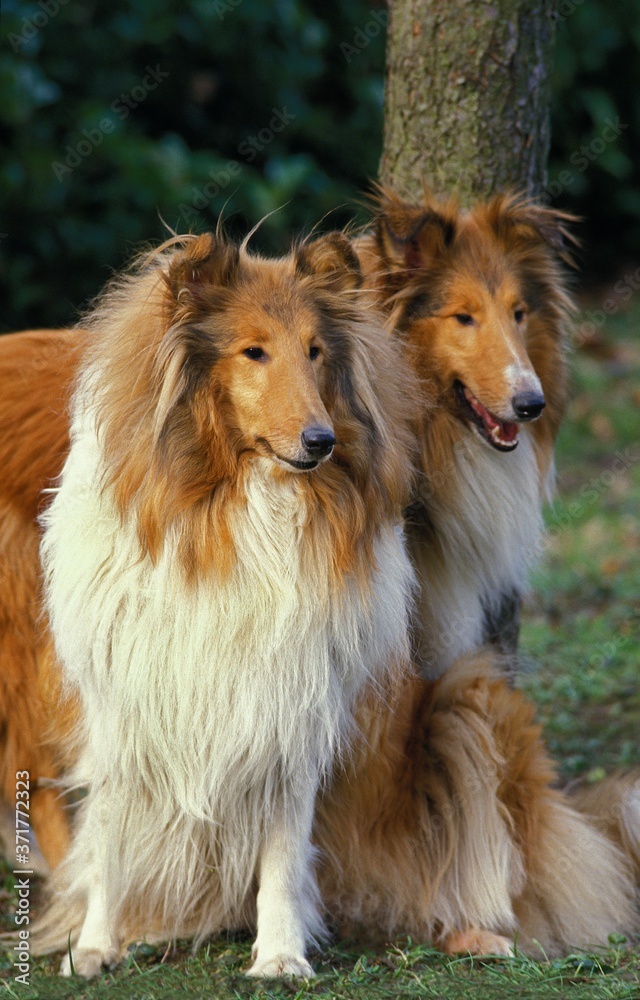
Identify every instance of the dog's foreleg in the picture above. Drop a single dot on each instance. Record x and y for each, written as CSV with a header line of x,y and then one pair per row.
x,y
287,895
97,945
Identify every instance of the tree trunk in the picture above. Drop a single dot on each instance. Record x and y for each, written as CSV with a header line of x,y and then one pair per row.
x,y
467,96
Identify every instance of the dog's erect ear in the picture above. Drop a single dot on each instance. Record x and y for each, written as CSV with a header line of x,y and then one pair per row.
x,y
514,218
205,261
410,236
332,259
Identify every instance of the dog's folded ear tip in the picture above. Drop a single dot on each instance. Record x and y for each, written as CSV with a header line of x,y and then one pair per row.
x,y
409,235
330,258
205,260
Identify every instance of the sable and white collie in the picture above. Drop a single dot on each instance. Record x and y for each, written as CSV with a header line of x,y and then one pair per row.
x,y
480,301
443,823
447,824
36,369
224,572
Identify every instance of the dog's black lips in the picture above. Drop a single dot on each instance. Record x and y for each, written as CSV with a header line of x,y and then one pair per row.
x,y
466,412
303,466
297,465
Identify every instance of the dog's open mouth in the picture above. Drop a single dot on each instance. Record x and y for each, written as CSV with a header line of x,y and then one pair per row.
x,y
500,434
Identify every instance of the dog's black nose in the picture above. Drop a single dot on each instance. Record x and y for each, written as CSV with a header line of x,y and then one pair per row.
x,y
318,441
528,405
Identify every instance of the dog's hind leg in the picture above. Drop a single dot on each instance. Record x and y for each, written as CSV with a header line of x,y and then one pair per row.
x,y
613,805
476,942
287,896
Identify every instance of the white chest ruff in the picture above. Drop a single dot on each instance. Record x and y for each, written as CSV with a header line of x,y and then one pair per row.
x,y
489,536
204,693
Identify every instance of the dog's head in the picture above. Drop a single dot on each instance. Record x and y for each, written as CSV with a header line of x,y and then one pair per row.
x,y
257,346
210,358
481,299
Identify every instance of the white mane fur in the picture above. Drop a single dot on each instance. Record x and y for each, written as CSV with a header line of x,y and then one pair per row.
x,y
208,707
489,534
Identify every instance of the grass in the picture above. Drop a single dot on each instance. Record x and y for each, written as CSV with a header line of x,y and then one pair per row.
x,y
581,635
401,970
580,649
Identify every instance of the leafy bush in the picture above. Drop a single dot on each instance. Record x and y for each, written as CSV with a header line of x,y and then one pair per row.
x,y
116,116
596,128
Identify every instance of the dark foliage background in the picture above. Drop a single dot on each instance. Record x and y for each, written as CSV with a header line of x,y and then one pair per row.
x,y
94,148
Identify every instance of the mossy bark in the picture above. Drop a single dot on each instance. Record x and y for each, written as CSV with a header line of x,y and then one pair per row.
x,y
467,96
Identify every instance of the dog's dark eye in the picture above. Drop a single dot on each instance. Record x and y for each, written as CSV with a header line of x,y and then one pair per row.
x,y
255,353
518,315
464,319
314,352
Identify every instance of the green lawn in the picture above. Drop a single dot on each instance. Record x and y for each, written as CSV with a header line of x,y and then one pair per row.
x,y
580,651
401,970
581,635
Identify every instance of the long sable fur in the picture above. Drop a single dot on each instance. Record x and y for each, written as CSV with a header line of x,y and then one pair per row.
x,y
35,369
474,525
375,827
216,615
448,821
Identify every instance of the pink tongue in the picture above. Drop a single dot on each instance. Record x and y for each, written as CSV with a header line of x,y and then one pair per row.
x,y
508,431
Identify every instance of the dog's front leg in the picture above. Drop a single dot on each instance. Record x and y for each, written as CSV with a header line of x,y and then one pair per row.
x,y
287,895
96,945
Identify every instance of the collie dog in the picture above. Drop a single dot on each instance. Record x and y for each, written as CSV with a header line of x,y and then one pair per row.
x,y
36,369
224,572
447,825
443,821
480,301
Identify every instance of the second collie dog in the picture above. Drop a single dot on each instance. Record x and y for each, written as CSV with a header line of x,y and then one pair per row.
x,y
447,825
225,572
480,301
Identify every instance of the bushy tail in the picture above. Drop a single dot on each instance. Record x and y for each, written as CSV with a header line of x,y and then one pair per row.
x,y
451,820
579,884
613,805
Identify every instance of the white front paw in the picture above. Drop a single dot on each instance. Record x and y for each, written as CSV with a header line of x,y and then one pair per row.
x,y
87,962
290,966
